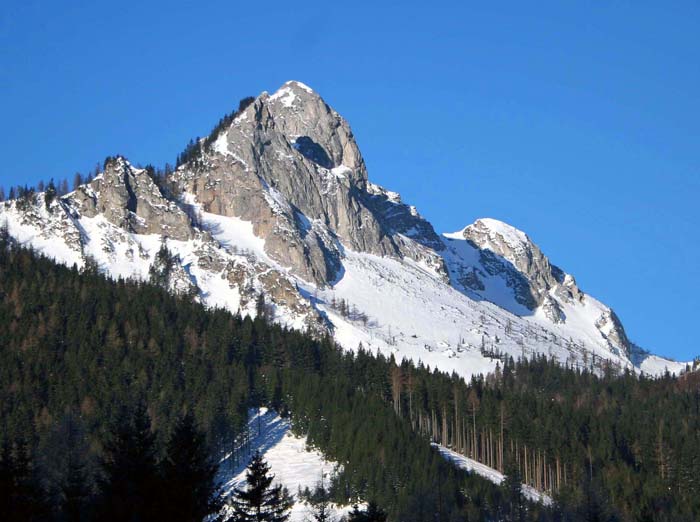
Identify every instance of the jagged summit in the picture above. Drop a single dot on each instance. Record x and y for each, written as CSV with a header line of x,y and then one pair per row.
x,y
502,242
278,202
128,198
292,91
299,85
290,165
499,231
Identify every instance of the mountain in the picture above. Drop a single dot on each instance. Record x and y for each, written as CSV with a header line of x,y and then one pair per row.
x,y
274,213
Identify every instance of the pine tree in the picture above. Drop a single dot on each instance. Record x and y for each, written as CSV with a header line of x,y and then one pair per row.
x,y
260,501
189,475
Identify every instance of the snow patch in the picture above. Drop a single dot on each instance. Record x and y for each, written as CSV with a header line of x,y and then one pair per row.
x,y
285,95
341,171
235,235
300,85
221,144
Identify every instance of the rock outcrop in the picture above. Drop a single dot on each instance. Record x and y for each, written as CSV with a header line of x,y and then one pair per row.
x,y
509,252
128,198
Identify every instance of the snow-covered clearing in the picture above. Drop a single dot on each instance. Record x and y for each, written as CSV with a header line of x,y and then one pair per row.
x,y
294,465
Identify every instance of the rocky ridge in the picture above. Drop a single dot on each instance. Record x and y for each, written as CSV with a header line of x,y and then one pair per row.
x,y
278,203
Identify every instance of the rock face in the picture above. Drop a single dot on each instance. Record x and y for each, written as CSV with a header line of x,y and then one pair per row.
x,y
509,254
508,251
274,213
290,164
128,198
611,328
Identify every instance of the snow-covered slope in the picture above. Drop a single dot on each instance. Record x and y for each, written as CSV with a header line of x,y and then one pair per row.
x,y
491,474
294,465
279,203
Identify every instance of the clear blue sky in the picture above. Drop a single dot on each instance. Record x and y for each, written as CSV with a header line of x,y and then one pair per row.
x,y
578,122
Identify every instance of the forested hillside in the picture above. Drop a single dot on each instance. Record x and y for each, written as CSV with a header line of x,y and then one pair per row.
x,y
76,349
632,442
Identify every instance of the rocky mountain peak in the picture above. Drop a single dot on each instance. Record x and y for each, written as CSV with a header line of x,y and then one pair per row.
x,y
315,130
277,203
509,254
289,164
501,243
499,237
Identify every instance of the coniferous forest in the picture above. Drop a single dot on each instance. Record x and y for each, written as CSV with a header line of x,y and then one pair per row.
x,y
105,385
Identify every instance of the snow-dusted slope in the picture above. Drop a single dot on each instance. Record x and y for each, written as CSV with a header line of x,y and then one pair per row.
x,y
279,203
294,465
297,467
219,259
491,474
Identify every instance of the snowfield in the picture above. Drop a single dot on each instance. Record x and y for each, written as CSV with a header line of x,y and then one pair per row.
x,y
295,466
413,314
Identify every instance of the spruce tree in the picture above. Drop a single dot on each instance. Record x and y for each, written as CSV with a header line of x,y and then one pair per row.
x,y
77,180
261,307
373,513
65,467
260,501
21,497
75,492
49,194
189,475
130,486
321,510
160,271
513,491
